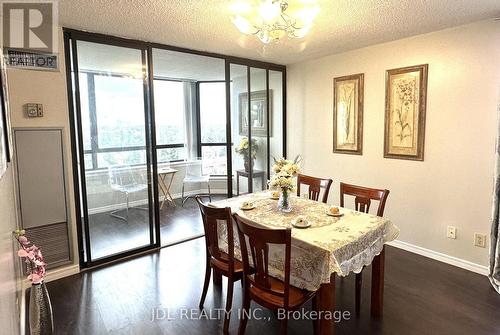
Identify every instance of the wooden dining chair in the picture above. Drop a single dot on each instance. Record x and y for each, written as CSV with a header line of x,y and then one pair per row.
x,y
315,186
363,197
259,286
222,262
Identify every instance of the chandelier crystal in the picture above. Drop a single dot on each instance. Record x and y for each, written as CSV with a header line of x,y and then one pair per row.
x,y
271,20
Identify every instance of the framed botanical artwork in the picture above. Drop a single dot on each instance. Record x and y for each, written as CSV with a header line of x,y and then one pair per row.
x,y
405,105
258,113
348,114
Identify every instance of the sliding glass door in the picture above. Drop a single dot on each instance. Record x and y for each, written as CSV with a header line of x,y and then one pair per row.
x,y
256,113
153,126
110,88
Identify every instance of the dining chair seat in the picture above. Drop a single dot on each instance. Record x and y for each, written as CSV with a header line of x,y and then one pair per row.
x,y
297,296
222,262
223,266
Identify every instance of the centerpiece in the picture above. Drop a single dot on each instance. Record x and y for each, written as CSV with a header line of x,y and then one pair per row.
x,y
283,179
242,149
40,309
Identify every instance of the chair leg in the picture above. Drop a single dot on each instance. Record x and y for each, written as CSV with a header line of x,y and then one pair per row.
x,y
182,195
127,196
209,194
284,326
359,281
208,272
245,311
229,303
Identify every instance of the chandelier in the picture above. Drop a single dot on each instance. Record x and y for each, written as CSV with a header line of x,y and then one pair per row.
x,y
271,20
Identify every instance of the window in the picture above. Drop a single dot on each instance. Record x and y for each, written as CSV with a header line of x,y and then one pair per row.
x,y
213,145
113,127
170,118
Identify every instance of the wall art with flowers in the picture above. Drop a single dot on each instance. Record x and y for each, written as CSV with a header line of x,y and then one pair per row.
x,y
405,108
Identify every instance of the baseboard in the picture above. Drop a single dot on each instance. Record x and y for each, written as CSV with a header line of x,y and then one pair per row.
x,y
458,262
114,207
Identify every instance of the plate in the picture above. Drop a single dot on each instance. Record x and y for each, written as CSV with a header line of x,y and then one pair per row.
x,y
271,197
308,224
247,208
334,215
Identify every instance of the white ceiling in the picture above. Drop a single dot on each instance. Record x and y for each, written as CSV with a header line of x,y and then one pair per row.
x,y
205,24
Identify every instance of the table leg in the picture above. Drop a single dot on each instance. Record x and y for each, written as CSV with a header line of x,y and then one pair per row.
x,y
263,178
168,189
326,302
377,303
162,187
237,184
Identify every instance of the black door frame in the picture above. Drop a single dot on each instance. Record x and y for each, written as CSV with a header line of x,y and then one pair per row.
x,y
71,60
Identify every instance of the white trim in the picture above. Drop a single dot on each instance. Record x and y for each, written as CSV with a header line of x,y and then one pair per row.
x,y
136,203
458,262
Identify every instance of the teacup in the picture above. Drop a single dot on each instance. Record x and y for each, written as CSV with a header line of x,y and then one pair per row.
x,y
275,194
247,204
301,221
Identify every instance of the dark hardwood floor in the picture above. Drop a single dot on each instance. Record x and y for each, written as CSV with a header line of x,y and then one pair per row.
x,y
422,296
111,235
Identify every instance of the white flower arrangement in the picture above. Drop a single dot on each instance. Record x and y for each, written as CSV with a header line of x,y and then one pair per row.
x,y
284,172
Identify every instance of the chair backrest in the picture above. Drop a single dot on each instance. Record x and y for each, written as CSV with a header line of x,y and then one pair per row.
x,y
315,186
210,217
121,176
258,242
194,168
363,197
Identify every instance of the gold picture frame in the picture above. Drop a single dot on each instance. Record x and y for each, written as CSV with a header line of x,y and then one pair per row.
x,y
405,108
348,95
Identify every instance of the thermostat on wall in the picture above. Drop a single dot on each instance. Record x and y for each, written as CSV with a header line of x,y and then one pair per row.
x,y
34,110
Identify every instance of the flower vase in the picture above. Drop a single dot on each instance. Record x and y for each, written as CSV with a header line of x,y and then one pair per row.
x,y
247,164
40,311
284,204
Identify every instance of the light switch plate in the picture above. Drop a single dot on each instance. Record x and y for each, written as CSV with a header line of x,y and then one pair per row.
x,y
33,110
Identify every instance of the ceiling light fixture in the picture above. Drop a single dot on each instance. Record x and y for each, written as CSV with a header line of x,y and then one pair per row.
x,y
271,20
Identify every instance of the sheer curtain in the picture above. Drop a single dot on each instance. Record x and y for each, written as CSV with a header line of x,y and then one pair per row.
x,y
190,122
495,237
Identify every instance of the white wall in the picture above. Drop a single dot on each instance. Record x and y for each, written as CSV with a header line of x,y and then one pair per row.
x,y
453,186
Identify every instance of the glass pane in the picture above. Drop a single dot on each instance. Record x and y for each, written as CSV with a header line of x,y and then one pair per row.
x,y
215,160
171,154
180,79
276,114
85,111
132,157
213,112
239,128
117,189
259,120
170,111
119,103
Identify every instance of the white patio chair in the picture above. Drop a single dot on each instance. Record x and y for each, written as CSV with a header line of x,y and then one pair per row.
x,y
122,179
195,175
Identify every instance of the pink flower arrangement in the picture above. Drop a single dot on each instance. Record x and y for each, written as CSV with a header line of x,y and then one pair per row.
x,y
32,256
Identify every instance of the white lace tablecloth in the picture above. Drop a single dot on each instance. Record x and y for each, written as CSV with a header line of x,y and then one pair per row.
x,y
332,244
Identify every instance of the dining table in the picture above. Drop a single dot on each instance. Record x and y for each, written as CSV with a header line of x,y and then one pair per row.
x,y
331,246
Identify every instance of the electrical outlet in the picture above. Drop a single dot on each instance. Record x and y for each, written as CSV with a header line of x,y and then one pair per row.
x,y
451,232
480,240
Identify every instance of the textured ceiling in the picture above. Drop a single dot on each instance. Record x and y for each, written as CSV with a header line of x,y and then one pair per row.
x,y
205,25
